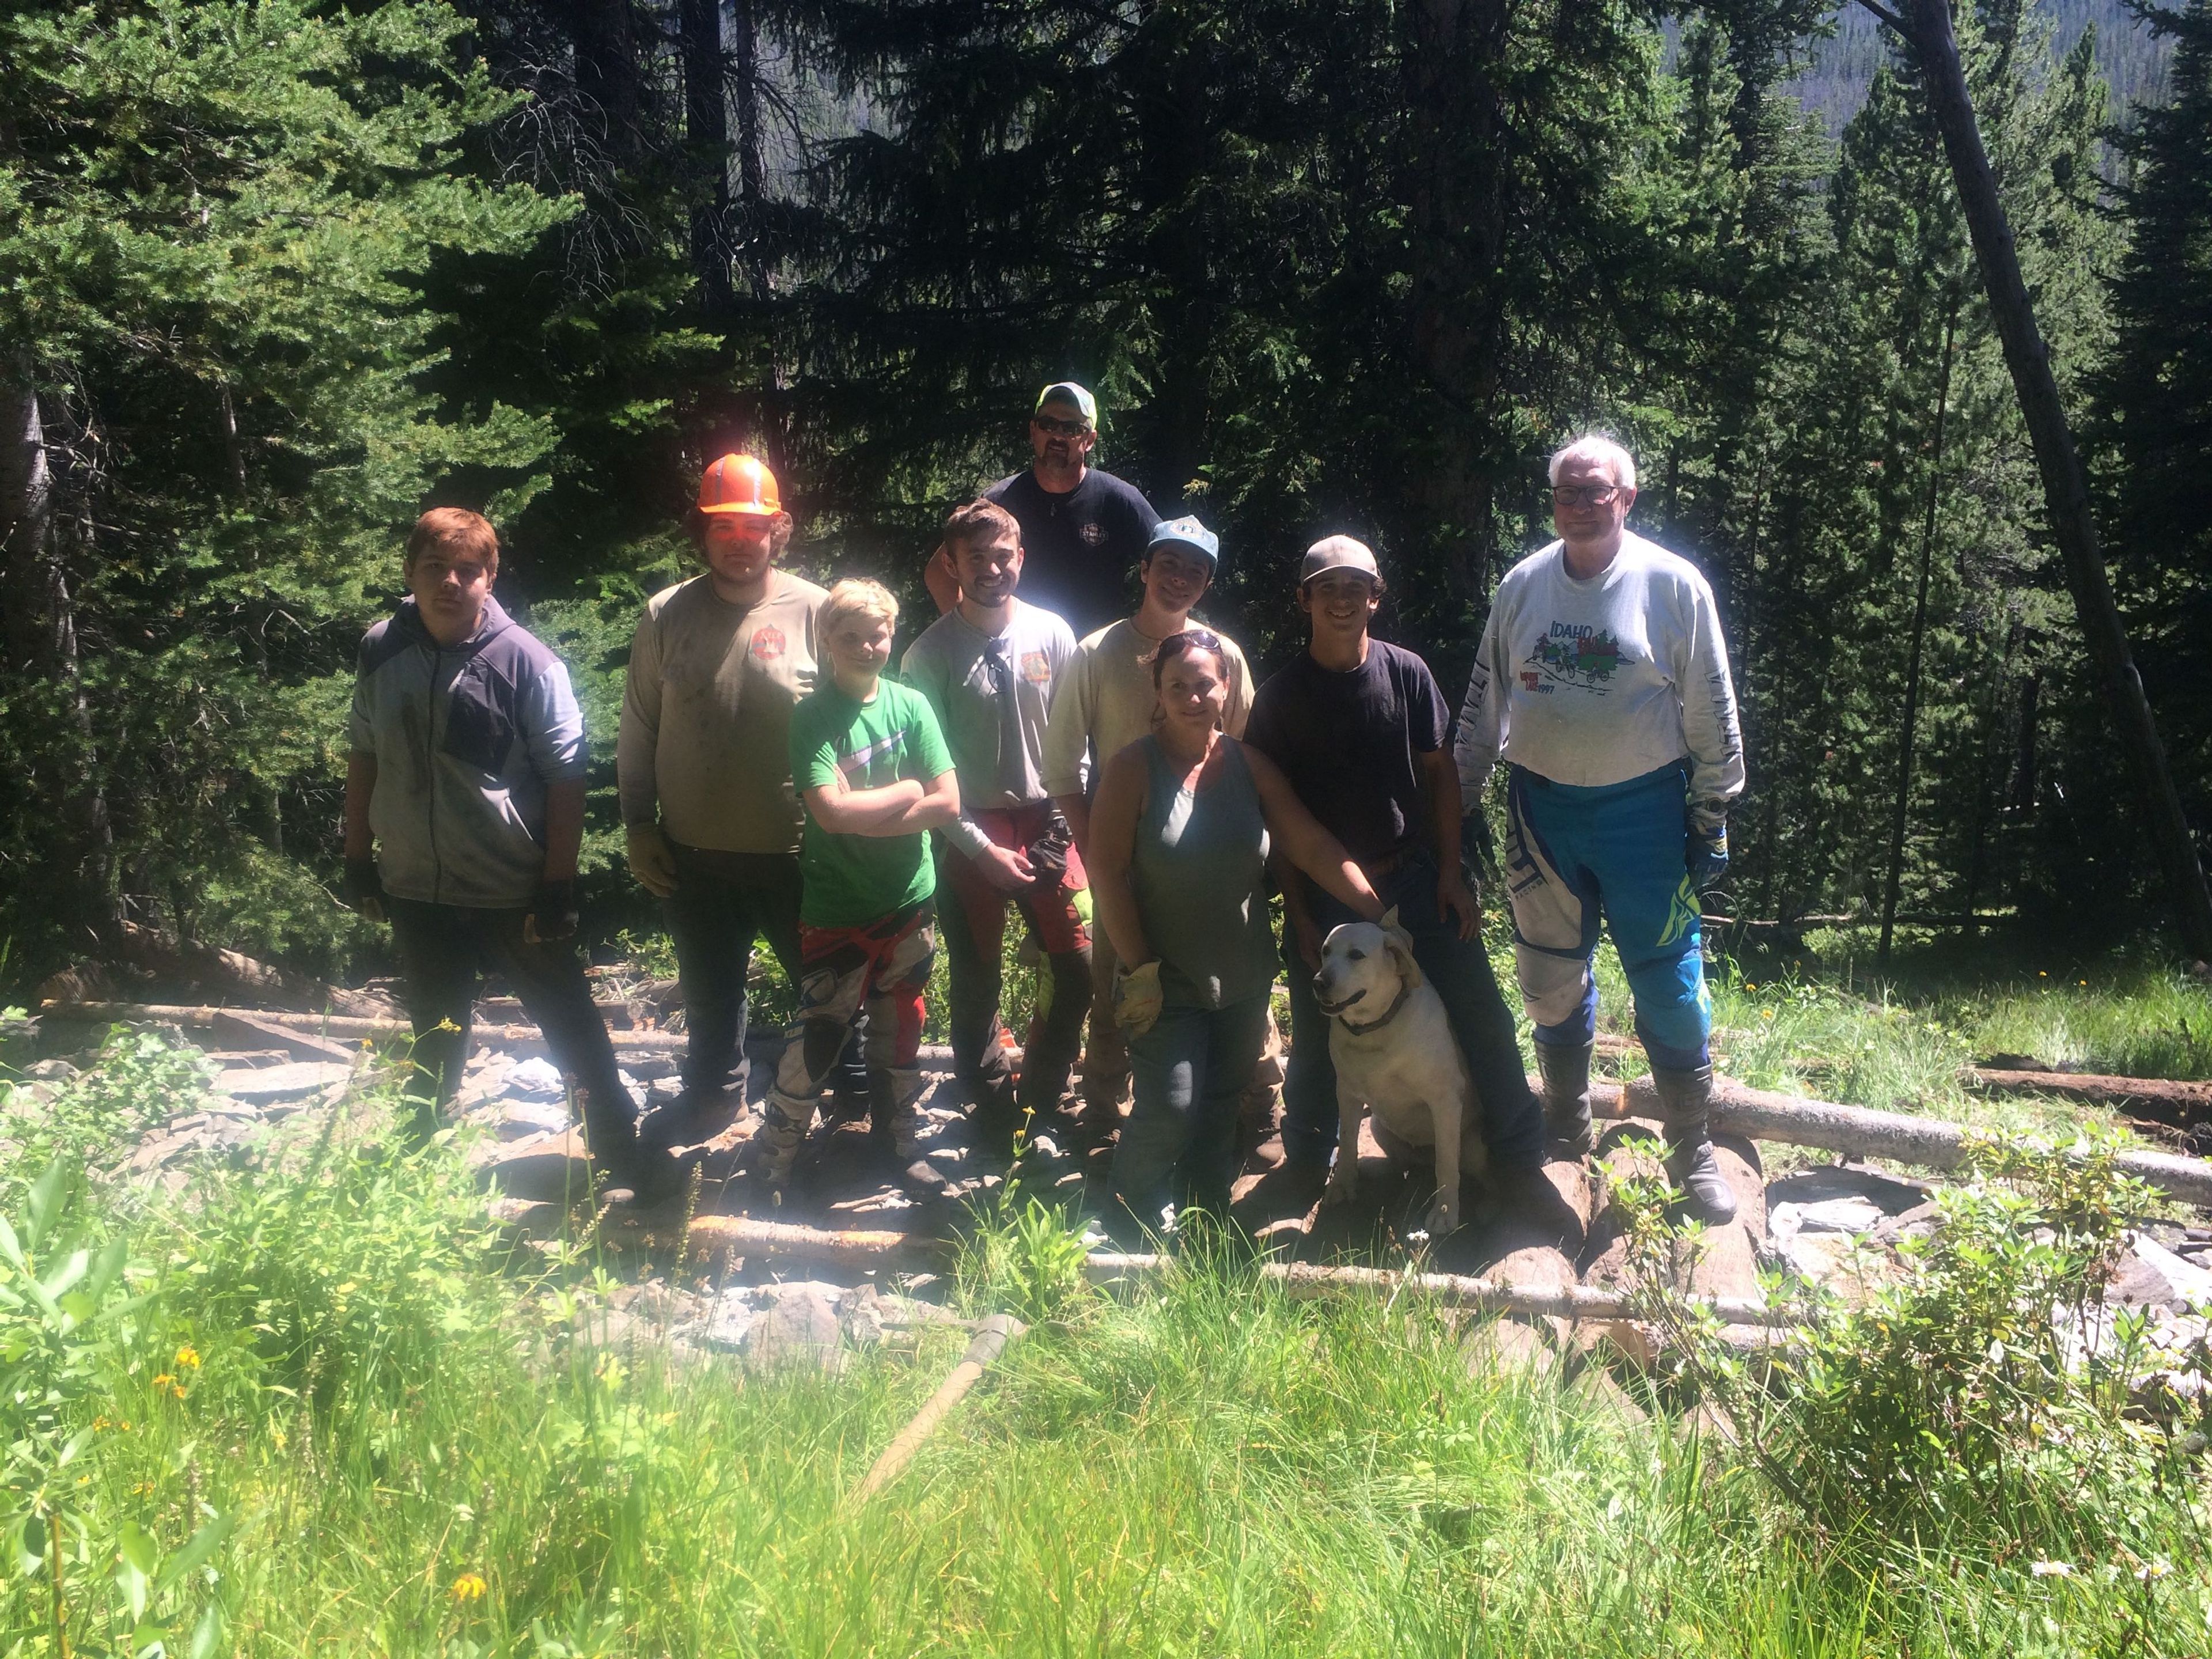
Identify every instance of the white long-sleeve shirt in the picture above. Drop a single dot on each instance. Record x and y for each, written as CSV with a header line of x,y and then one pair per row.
x,y
1596,682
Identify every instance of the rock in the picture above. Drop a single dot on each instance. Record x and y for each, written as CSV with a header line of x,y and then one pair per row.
x,y
535,1077
2152,1276
520,1118
554,1168
1497,1346
728,1322
50,1071
860,1316
795,1325
291,1082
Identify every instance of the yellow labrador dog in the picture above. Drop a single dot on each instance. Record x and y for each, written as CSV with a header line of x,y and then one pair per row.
x,y
1394,1053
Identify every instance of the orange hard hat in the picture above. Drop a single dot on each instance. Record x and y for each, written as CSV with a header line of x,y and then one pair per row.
x,y
739,483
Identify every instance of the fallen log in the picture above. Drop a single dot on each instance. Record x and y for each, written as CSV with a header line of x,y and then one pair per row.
x,y
2181,1105
717,1238
1861,1132
1304,1280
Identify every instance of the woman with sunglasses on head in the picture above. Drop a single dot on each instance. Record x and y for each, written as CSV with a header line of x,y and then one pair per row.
x,y
1179,833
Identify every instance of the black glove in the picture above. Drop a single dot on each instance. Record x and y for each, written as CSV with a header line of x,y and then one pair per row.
x,y
1707,854
1047,853
363,889
552,915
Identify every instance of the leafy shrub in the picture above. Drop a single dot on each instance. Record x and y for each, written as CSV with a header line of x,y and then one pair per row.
x,y
1023,1258
348,1271
140,1080
62,1341
1987,1390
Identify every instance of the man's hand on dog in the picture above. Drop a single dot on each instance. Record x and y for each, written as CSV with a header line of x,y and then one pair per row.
x,y
1137,998
1453,898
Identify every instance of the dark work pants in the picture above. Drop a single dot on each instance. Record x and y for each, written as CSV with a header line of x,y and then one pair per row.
x,y
1512,1121
441,949
722,904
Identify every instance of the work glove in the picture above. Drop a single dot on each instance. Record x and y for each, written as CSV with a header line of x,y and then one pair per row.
x,y
363,889
1137,998
1707,854
552,915
650,859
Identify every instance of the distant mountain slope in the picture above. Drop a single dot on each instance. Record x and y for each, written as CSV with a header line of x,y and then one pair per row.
x,y
2133,59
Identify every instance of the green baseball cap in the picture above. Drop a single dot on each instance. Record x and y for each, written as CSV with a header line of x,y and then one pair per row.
x,y
1068,391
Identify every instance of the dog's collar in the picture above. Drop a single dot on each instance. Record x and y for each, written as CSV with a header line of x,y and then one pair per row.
x,y
1389,1014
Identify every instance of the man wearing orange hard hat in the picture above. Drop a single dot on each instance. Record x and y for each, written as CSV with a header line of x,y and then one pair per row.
x,y
704,766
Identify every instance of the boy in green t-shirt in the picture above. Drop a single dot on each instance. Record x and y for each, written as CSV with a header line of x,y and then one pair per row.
x,y
871,767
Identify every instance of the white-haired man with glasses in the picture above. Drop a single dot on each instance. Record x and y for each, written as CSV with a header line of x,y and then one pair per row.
x,y
1602,682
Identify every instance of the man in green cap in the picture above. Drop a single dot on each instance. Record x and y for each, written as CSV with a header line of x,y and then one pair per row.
x,y
1083,531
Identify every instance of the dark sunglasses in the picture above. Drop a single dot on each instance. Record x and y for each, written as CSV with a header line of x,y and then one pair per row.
x,y
1058,428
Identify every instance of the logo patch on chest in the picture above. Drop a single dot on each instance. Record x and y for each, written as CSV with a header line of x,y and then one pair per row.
x,y
1093,534
768,645
1036,667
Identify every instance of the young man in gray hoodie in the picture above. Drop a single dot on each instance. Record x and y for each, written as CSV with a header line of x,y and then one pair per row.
x,y
464,813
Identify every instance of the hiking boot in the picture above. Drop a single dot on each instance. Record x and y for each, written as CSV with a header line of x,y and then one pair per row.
x,y
783,1126
1686,1099
1565,1068
895,1123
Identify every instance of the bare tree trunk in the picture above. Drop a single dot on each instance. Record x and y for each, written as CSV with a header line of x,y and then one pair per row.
x,y
706,133
42,648
1908,735
610,72
1456,226
1925,26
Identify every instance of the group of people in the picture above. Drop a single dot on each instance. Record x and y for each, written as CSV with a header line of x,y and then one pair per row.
x,y
1107,769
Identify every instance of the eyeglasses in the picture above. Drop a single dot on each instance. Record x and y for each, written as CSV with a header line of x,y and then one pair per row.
x,y
1583,494
1191,639
1057,427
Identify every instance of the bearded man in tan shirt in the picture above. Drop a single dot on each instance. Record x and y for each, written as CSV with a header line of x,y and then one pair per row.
x,y
703,764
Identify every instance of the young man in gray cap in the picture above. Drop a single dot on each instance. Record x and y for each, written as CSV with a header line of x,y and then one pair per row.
x,y
1083,531
1103,702
1359,728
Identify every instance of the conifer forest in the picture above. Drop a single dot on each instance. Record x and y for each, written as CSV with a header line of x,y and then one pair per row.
x,y
277,274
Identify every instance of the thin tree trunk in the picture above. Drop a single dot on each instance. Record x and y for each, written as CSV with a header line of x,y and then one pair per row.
x,y
706,132
1457,229
1909,736
40,632
1926,27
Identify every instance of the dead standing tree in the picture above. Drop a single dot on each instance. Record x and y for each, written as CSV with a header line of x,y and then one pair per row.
x,y
1925,26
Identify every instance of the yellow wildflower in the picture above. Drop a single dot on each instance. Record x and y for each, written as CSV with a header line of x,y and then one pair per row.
x,y
188,1359
470,1587
164,1380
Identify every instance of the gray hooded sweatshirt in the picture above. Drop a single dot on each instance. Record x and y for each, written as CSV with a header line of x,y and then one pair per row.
x,y
466,738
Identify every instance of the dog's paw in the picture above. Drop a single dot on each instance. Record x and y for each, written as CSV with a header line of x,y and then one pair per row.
x,y
1343,1187
1444,1216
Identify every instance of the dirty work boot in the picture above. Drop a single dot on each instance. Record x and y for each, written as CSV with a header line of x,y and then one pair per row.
x,y
895,1123
784,1123
1685,1099
1564,1068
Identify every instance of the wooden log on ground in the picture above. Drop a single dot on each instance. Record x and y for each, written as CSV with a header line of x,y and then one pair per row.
x,y
2182,1105
1862,1131
716,1238
1303,1280
295,1040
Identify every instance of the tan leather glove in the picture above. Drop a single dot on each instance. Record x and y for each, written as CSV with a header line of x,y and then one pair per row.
x,y
1137,998
650,860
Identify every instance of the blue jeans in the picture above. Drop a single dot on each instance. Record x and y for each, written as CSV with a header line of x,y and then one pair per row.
x,y
1512,1121
1572,855
1189,1073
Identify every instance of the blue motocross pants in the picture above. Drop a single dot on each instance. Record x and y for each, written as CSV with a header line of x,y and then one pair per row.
x,y
1571,853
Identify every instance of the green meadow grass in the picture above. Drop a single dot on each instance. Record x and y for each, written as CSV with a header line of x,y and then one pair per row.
x,y
426,1450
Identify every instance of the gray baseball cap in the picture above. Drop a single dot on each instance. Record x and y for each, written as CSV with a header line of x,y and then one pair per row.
x,y
1187,533
1338,553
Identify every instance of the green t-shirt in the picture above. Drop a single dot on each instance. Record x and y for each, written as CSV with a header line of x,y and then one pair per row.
x,y
853,880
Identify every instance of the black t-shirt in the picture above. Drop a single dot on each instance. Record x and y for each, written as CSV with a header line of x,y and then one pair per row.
x,y
1351,744
1080,550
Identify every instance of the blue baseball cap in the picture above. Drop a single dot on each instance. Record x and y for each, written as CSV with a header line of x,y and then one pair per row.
x,y
1187,533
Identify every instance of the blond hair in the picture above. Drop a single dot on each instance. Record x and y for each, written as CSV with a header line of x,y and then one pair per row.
x,y
855,596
